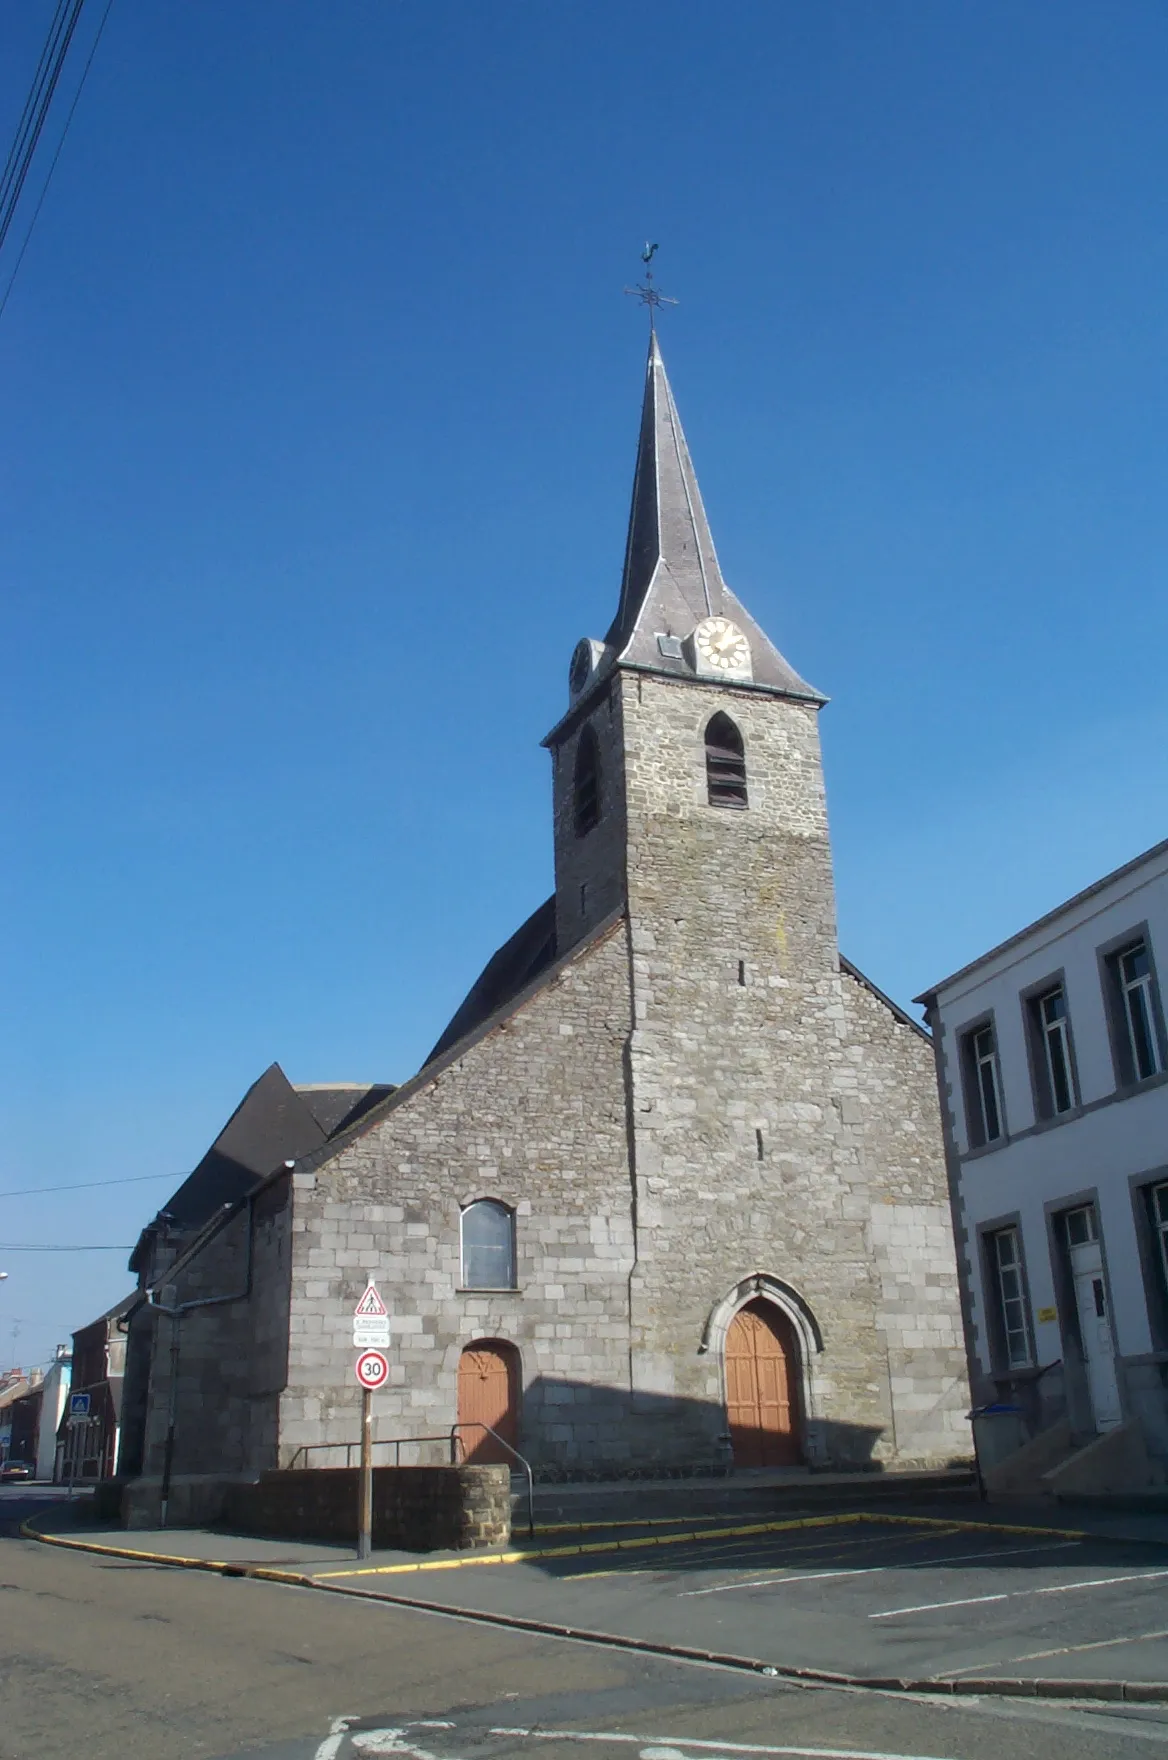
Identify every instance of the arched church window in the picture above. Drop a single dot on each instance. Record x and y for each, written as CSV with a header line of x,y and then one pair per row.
x,y
488,1245
725,763
586,785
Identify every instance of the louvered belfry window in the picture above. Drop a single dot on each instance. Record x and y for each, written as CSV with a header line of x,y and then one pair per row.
x,y
725,764
586,792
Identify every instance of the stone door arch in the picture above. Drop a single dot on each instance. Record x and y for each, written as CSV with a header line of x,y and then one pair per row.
x,y
763,1378
488,1394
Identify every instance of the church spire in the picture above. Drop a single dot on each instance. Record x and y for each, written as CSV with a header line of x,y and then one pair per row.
x,y
672,578
668,530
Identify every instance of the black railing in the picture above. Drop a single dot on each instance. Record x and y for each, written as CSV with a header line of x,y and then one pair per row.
x,y
397,1443
452,1442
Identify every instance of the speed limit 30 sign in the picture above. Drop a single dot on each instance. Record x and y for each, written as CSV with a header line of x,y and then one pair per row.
x,y
372,1369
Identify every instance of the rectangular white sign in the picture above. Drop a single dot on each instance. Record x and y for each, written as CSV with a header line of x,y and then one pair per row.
x,y
371,1332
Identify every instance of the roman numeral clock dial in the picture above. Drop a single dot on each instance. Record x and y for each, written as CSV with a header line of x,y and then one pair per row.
x,y
720,649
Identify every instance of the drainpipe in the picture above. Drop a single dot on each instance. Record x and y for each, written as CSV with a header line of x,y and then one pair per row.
x,y
176,1310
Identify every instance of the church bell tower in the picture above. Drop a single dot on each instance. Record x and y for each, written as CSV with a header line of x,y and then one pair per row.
x,y
689,795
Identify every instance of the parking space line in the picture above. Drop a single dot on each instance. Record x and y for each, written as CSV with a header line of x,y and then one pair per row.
x,y
932,1606
1018,1594
723,1556
1095,1583
871,1570
1060,1650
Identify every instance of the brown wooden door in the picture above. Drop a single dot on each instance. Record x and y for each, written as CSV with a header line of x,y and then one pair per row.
x,y
762,1388
488,1393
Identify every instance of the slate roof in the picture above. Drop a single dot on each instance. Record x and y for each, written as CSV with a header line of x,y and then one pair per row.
x,y
337,1105
672,578
516,964
273,1123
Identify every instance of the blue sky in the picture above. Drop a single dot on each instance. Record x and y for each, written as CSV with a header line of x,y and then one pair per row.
x,y
321,397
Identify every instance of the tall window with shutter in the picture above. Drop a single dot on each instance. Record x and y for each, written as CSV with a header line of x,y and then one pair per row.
x,y
725,764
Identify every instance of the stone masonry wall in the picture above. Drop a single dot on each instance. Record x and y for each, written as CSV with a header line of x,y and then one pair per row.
x,y
423,1509
232,1361
911,1229
590,870
764,1123
532,1113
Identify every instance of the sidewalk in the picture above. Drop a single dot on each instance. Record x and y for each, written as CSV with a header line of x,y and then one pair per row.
x,y
72,1522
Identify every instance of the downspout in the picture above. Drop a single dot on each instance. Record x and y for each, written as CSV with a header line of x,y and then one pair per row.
x,y
176,1310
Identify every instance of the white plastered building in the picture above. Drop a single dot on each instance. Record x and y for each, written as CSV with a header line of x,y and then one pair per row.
x,y
1052,1062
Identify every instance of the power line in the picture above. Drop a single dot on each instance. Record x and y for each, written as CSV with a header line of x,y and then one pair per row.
x,y
86,1249
53,162
92,1185
36,109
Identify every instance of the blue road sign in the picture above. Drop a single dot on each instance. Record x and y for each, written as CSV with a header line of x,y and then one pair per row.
x,y
79,1405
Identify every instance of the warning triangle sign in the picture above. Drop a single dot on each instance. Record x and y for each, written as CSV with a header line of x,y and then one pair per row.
x,y
371,1302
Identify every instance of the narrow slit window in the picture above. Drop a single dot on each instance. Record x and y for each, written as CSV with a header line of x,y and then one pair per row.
x,y
586,791
725,764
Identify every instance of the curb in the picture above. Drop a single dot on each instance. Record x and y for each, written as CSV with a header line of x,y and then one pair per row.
x,y
1004,1686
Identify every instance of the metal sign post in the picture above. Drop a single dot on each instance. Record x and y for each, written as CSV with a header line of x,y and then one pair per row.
x,y
370,1337
365,1486
372,1371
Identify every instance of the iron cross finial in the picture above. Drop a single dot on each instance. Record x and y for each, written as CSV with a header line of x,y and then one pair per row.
x,y
648,294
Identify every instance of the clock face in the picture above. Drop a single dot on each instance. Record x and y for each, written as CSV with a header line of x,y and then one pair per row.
x,y
721,647
581,667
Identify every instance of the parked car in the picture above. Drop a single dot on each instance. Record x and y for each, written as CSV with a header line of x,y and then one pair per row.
x,y
15,1470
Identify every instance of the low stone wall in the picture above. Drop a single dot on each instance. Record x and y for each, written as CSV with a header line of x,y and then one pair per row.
x,y
416,1509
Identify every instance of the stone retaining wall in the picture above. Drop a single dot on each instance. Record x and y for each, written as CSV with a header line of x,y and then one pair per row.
x,y
417,1509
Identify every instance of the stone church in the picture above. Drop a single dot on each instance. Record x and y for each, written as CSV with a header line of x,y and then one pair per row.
x,y
669,1193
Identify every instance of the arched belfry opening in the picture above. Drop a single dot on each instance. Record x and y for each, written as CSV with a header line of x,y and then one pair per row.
x,y
725,763
586,783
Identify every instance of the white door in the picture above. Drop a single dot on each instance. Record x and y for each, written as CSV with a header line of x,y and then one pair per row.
x,y
1098,1339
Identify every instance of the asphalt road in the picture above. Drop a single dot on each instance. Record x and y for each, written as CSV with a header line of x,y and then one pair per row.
x,y
877,1598
104,1658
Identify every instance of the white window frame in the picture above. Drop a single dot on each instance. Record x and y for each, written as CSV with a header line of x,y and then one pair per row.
x,y
983,1066
1139,993
1051,1033
1010,1294
1091,1232
1159,1208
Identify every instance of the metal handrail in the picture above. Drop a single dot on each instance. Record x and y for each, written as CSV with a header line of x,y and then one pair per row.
x,y
473,1424
453,1441
394,1442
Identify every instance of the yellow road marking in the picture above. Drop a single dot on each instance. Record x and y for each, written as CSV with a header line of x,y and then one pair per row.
x,y
582,1549
586,1547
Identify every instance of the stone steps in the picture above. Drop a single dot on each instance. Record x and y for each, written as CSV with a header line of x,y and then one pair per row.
x,y
749,1495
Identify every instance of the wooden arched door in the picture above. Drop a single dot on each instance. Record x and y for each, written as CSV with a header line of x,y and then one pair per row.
x,y
762,1388
488,1393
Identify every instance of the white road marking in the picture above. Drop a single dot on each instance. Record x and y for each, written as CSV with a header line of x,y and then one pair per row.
x,y
683,1745
330,1747
1095,1583
1061,1650
932,1606
389,1741
871,1570
1017,1594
